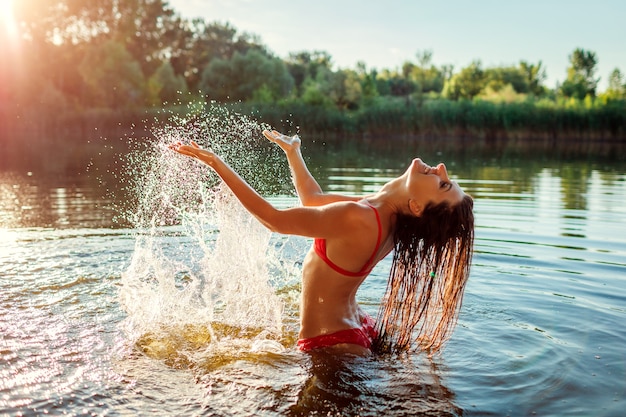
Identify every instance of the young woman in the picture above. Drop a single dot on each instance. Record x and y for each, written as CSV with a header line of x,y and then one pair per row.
x,y
423,216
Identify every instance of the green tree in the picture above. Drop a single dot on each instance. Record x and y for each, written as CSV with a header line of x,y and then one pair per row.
x,y
467,83
165,86
424,75
348,90
535,76
617,86
499,77
146,27
198,43
60,21
581,79
341,89
307,65
263,94
368,83
149,29
237,79
393,83
64,33
316,94
113,76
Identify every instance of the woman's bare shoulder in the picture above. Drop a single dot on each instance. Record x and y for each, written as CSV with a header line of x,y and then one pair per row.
x,y
356,212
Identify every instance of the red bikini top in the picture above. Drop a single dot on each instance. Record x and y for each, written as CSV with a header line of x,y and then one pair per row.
x,y
320,248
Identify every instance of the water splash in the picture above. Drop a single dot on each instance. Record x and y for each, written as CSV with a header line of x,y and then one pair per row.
x,y
204,279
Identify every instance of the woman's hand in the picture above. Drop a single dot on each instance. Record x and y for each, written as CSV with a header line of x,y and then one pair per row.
x,y
193,151
286,143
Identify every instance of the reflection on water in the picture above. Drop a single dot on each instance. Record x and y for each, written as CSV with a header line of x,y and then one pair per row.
x,y
30,200
347,385
541,330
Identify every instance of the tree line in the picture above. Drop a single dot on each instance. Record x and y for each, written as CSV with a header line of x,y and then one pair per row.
x,y
79,62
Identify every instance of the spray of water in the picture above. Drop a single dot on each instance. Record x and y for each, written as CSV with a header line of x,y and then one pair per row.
x,y
205,278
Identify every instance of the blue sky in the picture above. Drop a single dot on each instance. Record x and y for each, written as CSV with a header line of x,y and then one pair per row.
x,y
385,33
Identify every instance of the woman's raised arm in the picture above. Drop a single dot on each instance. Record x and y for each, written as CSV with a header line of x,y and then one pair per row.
x,y
325,222
309,191
247,195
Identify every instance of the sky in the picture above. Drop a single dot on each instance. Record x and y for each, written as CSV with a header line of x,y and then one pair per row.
x,y
385,33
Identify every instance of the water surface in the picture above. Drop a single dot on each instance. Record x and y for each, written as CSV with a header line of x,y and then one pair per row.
x,y
98,317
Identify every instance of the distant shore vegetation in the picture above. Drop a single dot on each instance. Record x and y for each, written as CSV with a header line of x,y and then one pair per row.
x,y
72,65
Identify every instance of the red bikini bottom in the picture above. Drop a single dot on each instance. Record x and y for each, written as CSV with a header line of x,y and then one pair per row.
x,y
362,336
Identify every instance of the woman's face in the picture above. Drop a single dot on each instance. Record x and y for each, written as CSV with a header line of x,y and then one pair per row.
x,y
431,184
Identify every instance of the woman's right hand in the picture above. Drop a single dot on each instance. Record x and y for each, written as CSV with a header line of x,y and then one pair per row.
x,y
193,151
286,143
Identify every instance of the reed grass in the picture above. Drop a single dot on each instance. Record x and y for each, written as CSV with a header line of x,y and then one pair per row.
x,y
435,118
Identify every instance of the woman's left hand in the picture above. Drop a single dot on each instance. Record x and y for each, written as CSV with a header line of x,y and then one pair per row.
x,y
286,143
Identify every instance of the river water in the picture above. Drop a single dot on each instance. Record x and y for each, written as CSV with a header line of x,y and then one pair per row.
x,y
134,288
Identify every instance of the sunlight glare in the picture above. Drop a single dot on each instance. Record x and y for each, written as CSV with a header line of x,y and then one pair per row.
x,y
8,239
7,19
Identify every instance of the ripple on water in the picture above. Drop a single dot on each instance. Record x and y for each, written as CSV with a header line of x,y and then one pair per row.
x,y
541,329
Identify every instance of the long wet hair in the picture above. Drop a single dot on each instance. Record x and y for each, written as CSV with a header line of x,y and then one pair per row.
x,y
431,265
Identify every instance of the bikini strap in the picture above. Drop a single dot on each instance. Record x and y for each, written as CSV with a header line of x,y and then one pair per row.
x,y
320,248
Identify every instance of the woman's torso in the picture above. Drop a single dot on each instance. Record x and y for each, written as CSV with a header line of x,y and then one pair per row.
x,y
329,297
